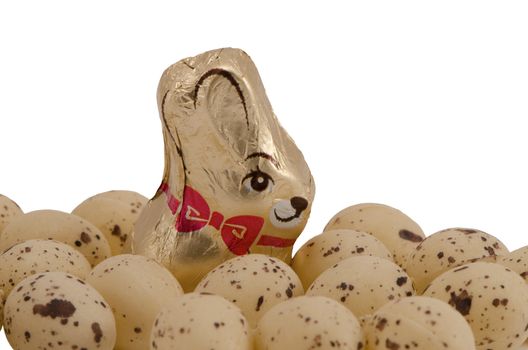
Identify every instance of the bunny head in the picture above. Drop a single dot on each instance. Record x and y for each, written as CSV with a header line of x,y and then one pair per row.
x,y
234,181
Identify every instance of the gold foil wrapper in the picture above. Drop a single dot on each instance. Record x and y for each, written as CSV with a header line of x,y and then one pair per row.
x,y
234,181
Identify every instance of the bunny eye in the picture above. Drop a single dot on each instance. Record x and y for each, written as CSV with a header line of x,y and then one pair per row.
x,y
257,181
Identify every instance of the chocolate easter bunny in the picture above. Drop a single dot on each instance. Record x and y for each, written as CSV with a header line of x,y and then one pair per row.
x,y
234,181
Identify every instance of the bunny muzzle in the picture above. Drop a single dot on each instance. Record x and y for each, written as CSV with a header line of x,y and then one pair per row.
x,y
287,213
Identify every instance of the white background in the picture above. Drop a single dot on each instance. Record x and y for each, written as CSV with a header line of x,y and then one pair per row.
x,y
416,104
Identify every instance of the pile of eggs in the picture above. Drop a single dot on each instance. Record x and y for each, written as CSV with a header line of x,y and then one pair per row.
x,y
370,281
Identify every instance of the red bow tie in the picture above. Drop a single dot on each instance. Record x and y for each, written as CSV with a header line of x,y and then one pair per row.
x,y
238,232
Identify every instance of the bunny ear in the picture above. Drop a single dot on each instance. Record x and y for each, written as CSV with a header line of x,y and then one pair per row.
x,y
224,100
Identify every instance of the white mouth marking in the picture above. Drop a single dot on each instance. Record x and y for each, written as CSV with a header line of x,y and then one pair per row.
x,y
284,220
283,215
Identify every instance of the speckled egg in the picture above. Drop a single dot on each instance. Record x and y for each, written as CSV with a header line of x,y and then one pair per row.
x,y
447,249
114,214
36,256
492,298
309,323
59,226
418,323
397,231
401,333
2,301
253,282
137,288
363,283
133,199
56,310
201,322
325,250
113,218
8,210
516,261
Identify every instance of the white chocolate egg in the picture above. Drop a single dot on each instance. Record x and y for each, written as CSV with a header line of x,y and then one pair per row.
x,y
309,323
56,310
114,214
447,249
438,324
2,302
37,256
8,210
201,322
517,261
363,283
136,288
492,298
325,250
400,333
59,226
253,282
397,231
133,199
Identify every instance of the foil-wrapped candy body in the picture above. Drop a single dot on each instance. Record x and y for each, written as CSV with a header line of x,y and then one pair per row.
x,y
234,181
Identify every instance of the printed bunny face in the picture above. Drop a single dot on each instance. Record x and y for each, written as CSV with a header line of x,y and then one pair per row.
x,y
234,182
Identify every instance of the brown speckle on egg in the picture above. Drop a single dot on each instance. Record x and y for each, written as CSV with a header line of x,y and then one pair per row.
x,y
85,238
55,308
461,302
380,325
401,280
391,345
98,333
259,303
116,230
410,236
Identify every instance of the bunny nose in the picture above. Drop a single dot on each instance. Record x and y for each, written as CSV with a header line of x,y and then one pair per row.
x,y
299,203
